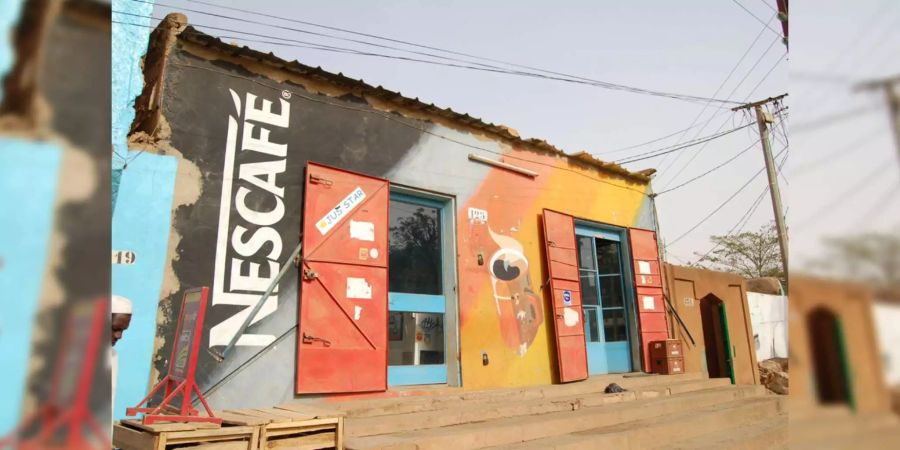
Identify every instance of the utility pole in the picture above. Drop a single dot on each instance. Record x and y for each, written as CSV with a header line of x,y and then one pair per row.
x,y
763,120
889,86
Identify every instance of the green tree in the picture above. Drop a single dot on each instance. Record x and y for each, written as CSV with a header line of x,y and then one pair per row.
x,y
751,254
871,257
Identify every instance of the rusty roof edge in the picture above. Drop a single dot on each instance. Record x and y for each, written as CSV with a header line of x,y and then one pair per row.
x,y
193,35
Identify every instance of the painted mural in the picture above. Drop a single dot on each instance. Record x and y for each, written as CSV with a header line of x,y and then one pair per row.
x,y
250,136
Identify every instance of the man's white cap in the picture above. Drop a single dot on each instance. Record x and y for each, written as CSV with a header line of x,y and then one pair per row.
x,y
120,305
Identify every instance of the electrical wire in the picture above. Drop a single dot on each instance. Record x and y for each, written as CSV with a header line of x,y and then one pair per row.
x,y
745,218
733,90
717,167
700,150
675,148
721,205
722,84
394,118
736,2
622,149
486,67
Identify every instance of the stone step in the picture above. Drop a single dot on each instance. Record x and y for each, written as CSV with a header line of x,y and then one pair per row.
x,y
509,430
476,411
879,438
662,431
448,397
768,433
831,429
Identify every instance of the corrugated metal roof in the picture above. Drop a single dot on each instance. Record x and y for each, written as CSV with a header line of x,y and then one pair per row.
x,y
360,87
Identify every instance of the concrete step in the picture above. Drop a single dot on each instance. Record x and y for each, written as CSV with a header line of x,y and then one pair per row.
x,y
430,401
517,429
832,430
491,409
662,431
879,438
768,433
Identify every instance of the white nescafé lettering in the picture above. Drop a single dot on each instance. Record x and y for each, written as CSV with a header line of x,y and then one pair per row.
x,y
248,251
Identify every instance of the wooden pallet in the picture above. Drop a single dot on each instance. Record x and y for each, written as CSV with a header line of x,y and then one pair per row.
x,y
134,435
290,427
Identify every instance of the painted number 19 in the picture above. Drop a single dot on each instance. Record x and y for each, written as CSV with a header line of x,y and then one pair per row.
x,y
123,257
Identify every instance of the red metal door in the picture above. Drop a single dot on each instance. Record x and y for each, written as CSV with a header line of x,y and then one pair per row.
x,y
342,334
649,293
562,264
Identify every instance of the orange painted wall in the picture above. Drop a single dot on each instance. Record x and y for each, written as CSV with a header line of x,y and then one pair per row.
x,y
518,337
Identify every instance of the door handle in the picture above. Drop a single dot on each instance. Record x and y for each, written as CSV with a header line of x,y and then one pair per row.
x,y
309,339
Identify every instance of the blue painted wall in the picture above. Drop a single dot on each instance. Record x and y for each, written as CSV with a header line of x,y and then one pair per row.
x,y
141,224
28,175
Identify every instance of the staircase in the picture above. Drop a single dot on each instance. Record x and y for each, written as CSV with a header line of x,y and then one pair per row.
x,y
678,411
837,427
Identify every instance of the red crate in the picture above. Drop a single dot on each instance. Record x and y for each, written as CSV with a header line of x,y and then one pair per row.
x,y
668,366
669,348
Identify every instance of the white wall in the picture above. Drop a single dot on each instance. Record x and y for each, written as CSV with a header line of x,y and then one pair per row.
x,y
768,315
887,319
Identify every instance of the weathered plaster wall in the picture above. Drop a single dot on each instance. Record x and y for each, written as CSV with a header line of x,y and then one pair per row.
x,y
59,118
852,304
687,287
201,91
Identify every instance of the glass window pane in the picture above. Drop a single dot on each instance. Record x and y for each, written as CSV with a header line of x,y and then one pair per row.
x,y
611,291
586,253
614,325
415,249
589,288
591,325
415,338
607,256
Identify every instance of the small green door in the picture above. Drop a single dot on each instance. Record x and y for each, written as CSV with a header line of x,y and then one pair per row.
x,y
726,337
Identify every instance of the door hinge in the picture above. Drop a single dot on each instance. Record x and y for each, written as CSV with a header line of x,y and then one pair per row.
x,y
316,179
309,339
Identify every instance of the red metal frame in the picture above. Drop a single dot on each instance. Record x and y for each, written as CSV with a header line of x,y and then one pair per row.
x,y
342,356
176,383
652,324
76,415
571,367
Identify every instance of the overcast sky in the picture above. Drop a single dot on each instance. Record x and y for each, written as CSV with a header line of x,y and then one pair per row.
x,y
682,47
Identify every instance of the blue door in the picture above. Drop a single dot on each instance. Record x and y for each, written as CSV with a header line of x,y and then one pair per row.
x,y
604,298
416,297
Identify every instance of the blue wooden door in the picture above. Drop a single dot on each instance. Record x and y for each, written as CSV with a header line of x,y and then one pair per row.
x,y
416,297
605,300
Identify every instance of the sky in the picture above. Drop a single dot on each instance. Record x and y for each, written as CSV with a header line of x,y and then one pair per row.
x,y
700,48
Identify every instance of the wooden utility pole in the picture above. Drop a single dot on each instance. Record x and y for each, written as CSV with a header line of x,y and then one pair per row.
x,y
763,120
889,86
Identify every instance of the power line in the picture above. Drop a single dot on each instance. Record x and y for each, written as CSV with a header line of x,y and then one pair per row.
x,y
722,84
558,75
723,164
832,119
844,195
394,118
622,149
722,205
700,150
745,218
736,2
667,150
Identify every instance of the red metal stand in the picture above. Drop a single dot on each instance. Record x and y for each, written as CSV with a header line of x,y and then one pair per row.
x,y
65,421
180,381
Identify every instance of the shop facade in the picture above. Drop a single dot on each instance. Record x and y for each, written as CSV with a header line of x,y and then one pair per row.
x,y
438,249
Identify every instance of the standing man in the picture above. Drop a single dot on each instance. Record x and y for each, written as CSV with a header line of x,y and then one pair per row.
x,y
120,320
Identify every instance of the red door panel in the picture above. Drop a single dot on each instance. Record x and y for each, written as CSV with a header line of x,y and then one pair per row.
x,y
648,285
562,264
342,334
